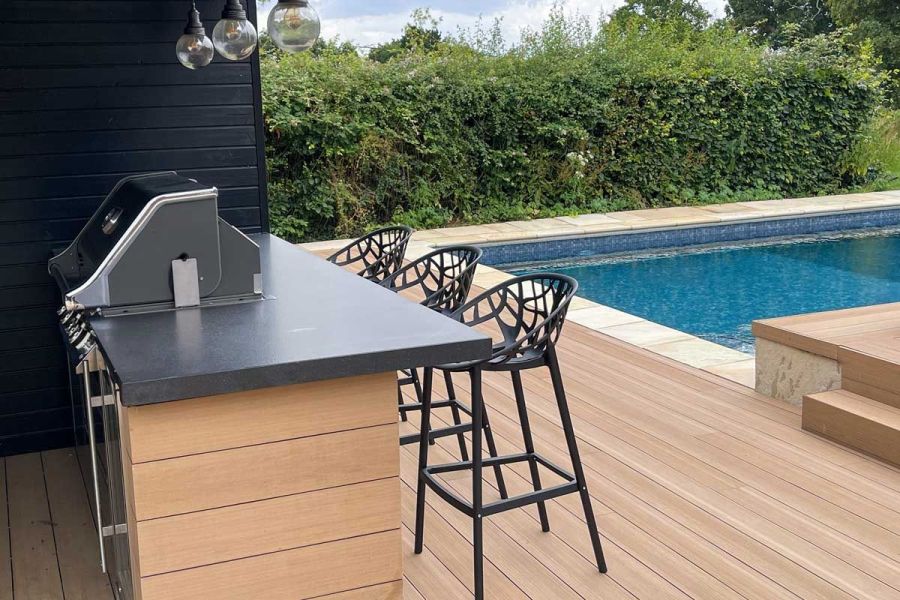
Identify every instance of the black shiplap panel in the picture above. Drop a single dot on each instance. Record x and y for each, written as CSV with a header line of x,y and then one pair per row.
x,y
121,75
38,337
75,142
139,32
61,11
47,230
92,185
241,217
51,208
35,400
90,92
62,55
32,295
126,162
126,118
33,379
36,358
28,253
54,418
37,441
29,318
126,97
21,275
84,207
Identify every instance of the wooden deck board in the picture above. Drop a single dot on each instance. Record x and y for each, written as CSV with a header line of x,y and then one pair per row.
x,y
684,464
702,489
34,553
77,546
6,582
823,333
53,544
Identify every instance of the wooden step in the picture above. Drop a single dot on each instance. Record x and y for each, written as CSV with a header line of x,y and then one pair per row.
x,y
872,369
856,421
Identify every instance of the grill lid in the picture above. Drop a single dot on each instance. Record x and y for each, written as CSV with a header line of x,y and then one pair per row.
x,y
157,242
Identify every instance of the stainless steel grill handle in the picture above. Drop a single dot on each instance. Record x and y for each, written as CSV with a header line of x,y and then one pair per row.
x,y
86,377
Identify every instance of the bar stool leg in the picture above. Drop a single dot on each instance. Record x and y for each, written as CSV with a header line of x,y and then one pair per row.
x,y
425,429
492,448
569,430
451,395
529,445
477,521
400,403
417,386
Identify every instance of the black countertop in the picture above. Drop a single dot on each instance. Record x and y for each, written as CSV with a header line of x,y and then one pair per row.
x,y
318,322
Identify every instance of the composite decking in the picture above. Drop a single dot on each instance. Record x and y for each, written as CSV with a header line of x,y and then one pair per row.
x,y
703,489
50,549
863,344
873,330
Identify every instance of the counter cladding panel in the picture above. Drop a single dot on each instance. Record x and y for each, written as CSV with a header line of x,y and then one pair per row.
x,y
300,502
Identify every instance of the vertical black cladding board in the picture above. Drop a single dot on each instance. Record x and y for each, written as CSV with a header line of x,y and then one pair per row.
x,y
90,90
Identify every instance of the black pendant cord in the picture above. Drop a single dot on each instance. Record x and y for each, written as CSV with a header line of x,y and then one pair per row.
x,y
195,25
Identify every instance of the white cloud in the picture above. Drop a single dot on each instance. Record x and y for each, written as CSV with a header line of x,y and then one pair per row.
x,y
370,27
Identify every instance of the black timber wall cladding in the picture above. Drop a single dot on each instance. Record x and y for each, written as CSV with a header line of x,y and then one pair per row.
x,y
90,91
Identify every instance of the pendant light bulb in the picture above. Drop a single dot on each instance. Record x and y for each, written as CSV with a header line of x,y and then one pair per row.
x,y
234,36
194,50
294,25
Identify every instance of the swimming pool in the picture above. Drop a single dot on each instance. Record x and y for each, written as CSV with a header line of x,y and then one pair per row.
x,y
716,292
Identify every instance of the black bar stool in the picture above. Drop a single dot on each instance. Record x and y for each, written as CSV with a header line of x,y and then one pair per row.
x,y
444,277
376,255
529,313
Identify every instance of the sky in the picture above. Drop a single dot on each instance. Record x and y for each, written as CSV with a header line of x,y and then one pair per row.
x,y
368,23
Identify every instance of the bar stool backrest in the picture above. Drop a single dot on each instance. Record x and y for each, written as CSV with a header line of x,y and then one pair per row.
x,y
444,277
528,312
375,255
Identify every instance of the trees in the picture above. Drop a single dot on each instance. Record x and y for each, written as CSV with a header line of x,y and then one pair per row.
x,y
689,12
421,35
776,21
878,20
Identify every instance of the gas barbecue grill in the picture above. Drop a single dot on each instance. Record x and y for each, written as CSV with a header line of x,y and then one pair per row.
x,y
155,244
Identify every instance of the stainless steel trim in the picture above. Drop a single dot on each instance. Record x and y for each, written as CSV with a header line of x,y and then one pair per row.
x,y
117,529
100,401
111,259
244,235
86,377
186,282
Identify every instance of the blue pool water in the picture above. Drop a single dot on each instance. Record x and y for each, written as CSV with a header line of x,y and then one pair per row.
x,y
716,292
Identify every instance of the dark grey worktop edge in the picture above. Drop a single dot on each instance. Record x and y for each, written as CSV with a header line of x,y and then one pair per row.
x,y
142,393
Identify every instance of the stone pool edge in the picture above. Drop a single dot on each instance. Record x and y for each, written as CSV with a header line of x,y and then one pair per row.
x,y
680,346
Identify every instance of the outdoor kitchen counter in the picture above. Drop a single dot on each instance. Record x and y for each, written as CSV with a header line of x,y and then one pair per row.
x,y
259,443
317,322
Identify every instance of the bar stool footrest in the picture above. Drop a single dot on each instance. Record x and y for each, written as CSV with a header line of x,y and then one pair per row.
x,y
413,438
430,476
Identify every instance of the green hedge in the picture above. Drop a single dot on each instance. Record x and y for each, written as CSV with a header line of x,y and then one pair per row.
x,y
635,116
